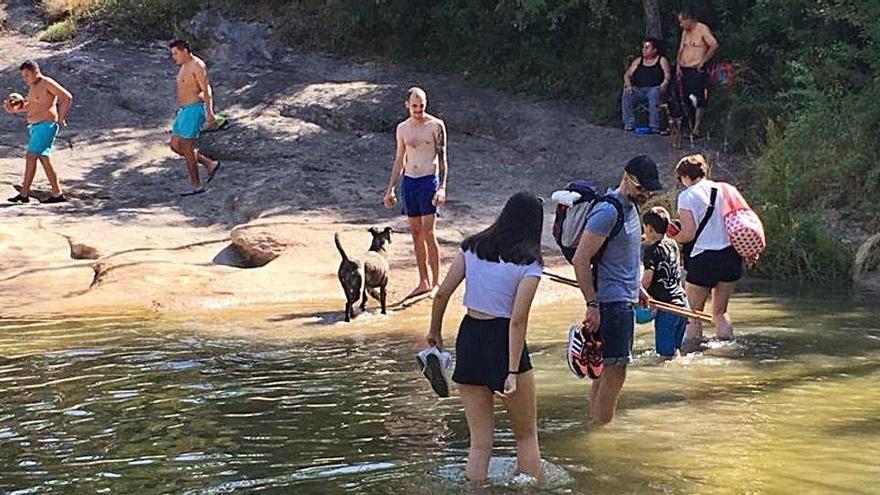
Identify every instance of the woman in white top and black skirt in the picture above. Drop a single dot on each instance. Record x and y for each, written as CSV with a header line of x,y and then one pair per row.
x,y
502,266
713,266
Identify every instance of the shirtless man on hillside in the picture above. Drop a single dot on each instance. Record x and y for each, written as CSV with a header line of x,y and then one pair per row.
x,y
421,154
195,107
46,105
697,47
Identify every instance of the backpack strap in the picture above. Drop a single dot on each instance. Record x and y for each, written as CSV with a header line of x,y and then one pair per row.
x,y
618,226
709,211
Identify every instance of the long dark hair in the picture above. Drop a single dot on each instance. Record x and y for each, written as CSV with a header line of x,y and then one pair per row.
x,y
515,237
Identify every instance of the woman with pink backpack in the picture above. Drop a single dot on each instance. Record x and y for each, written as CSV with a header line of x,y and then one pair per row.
x,y
718,232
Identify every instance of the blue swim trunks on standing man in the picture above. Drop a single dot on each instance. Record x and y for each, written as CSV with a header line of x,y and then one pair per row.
x,y
189,121
418,195
41,137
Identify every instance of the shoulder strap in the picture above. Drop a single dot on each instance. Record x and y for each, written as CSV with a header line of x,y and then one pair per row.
x,y
618,226
709,211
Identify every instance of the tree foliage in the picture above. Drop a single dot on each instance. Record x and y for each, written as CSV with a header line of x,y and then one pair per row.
x,y
806,98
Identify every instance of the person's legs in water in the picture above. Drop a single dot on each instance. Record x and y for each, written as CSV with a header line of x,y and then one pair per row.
x,y
522,408
479,410
693,334
668,333
721,295
605,392
616,328
51,176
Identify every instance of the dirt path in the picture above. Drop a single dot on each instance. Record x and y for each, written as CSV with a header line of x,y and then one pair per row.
x,y
308,154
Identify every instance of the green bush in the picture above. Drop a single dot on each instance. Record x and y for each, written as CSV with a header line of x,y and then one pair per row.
x,y
806,97
148,19
60,31
802,246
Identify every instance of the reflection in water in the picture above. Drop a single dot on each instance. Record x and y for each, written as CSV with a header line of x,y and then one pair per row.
x,y
135,406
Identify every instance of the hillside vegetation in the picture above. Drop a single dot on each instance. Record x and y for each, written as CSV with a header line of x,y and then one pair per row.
x,y
805,101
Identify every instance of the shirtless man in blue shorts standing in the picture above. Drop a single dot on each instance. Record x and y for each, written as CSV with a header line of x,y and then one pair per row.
x,y
195,107
47,105
422,160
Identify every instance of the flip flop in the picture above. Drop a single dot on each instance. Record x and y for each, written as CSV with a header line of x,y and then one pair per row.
x,y
221,122
213,173
194,192
54,199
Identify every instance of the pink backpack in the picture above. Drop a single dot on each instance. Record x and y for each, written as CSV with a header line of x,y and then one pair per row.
x,y
743,225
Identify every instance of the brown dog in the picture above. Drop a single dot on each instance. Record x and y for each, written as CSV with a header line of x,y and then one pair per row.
x,y
358,277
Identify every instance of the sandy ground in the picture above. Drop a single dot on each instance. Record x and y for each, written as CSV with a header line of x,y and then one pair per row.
x,y
308,154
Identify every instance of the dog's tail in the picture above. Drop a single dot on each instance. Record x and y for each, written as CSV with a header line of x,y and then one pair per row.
x,y
339,247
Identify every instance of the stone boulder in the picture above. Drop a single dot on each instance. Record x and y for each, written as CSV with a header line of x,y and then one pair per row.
x,y
234,42
866,266
259,244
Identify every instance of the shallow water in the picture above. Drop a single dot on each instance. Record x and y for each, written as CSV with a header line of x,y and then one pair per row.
x,y
134,405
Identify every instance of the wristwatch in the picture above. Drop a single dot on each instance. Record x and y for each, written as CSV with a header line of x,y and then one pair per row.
x,y
593,304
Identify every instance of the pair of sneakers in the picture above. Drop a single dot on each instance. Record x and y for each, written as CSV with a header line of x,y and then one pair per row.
x,y
435,364
18,198
584,355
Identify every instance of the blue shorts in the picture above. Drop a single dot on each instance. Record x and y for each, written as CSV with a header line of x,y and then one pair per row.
x,y
668,333
418,195
41,137
189,121
616,327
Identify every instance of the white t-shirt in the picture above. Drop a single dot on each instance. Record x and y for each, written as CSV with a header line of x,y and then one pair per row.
x,y
490,287
695,199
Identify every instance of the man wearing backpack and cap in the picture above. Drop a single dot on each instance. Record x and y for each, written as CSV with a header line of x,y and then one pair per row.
x,y
613,231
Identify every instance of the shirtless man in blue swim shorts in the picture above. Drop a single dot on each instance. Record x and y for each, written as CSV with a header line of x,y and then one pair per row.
x,y
421,160
195,107
46,106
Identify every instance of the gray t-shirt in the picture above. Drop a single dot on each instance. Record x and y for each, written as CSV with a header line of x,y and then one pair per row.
x,y
618,271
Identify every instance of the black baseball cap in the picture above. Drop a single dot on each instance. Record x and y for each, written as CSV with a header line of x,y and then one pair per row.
x,y
643,169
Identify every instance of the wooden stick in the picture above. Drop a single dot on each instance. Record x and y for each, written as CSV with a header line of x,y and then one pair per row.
x,y
561,278
678,310
659,305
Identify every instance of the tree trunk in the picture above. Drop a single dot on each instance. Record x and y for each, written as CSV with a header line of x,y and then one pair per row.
x,y
653,29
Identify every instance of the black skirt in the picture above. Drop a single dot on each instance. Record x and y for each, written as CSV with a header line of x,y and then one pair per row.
x,y
482,353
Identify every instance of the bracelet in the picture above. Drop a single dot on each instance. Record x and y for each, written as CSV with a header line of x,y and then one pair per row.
x,y
593,304
513,372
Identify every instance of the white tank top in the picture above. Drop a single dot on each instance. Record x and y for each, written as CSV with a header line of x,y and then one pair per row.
x,y
490,287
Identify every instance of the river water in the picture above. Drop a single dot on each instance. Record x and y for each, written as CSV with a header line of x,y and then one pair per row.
x,y
149,405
